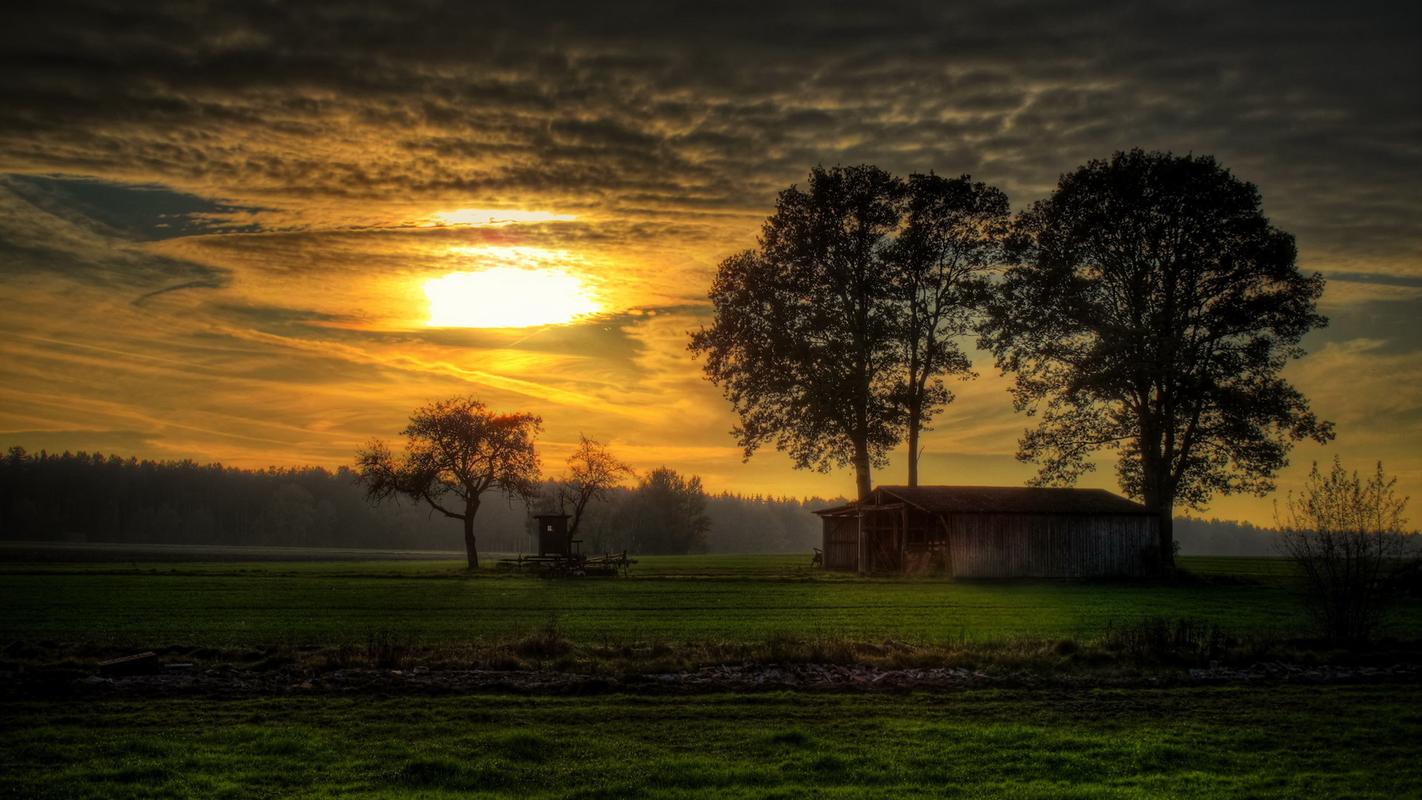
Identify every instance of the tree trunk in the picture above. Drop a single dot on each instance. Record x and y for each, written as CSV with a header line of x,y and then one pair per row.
x,y
470,550
1158,491
913,425
1156,500
861,470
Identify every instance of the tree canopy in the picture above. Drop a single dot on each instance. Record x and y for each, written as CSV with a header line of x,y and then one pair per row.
x,y
952,237
802,340
1151,309
455,451
830,339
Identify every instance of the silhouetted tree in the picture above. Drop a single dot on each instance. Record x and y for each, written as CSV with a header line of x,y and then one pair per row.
x,y
593,471
803,341
1151,311
666,514
455,450
953,234
1348,537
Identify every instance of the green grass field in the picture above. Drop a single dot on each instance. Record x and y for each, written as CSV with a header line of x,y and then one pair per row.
x,y
1182,743
672,599
1241,741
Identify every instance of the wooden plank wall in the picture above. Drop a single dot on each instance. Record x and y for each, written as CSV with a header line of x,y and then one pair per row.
x,y
1051,546
926,551
883,534
841,543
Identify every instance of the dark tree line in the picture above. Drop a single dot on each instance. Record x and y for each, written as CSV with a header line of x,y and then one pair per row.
x,y
1217,537
98,498
106,498
668,513
766,524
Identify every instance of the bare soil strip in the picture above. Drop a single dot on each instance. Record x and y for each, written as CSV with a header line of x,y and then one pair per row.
x,y
229,681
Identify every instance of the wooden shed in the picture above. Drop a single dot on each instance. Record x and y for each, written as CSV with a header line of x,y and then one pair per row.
x,y
992,532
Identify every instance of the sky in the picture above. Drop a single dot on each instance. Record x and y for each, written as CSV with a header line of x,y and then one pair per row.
x,y
262,233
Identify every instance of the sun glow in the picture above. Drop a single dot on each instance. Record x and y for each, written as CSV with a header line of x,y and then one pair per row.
x,y
493,217
508,297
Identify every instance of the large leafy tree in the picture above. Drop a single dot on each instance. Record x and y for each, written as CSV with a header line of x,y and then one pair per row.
x,y
455,451
803,343
1151,311
952,236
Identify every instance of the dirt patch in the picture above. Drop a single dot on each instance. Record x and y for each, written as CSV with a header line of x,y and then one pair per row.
x,y
229,681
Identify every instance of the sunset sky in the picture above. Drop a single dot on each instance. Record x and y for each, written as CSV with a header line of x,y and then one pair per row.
x,y
261,234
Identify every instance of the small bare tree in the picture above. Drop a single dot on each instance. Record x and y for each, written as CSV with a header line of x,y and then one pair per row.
x,y
592,471
1348,538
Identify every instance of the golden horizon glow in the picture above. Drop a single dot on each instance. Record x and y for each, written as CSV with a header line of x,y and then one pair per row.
x,y
508,297
494,217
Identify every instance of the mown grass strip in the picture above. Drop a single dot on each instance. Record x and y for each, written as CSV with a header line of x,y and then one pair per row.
x,y
691,599
1277,742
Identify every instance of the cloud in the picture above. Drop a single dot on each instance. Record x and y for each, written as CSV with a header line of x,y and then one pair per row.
x,y
692,106
131,212
1367,388
41,232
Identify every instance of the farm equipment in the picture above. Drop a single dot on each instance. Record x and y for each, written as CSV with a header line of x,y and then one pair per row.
x,y
559,554
572,565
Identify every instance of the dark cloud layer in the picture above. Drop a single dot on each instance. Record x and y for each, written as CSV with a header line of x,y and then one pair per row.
x,y
707,105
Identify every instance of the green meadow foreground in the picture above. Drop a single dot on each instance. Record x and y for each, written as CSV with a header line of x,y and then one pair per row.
x,y
690,599
1058,740
1225,742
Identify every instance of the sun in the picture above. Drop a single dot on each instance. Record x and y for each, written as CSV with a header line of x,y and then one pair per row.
x,y
508,297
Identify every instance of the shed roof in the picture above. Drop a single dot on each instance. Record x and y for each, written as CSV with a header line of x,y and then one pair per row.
x,y
1001,500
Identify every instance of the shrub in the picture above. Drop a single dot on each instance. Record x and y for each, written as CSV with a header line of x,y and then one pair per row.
x,y
1347,537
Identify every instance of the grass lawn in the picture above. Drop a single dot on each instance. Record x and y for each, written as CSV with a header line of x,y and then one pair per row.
x,y
1219,742
672,599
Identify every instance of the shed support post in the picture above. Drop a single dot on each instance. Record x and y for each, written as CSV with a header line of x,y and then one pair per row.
x,y
862,566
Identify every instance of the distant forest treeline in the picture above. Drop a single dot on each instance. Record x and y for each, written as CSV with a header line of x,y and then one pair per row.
x,y
90,497
1214,537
